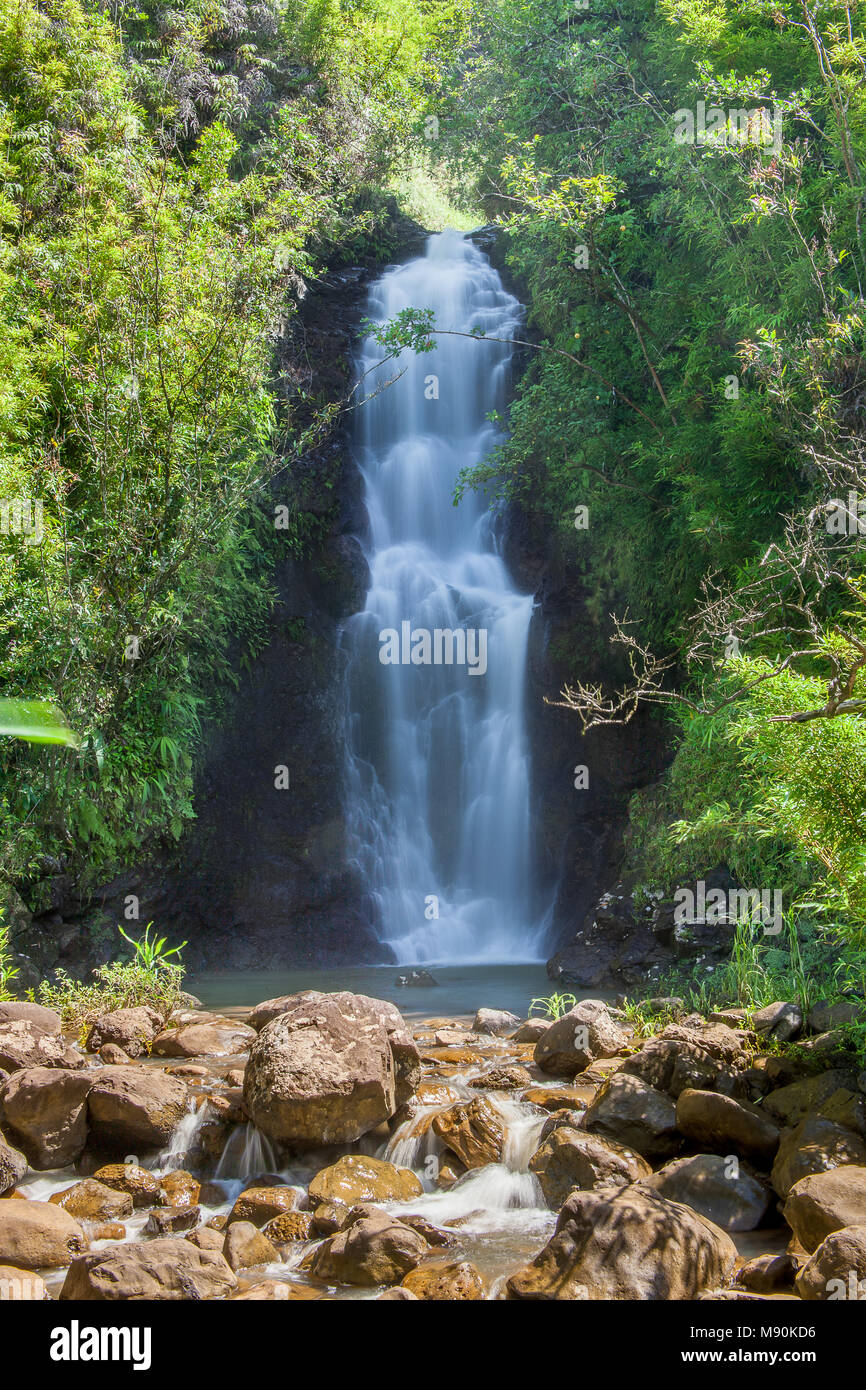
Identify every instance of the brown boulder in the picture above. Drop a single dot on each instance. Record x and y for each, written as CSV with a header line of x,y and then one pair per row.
x,y
628,1244
721,1043
574,1041
167,1221
206,1238
132,1030
91,1200
445,1281
673,1066
13,1166
375,1249
569,1159
495,1022
270,1009
289,1226
258,1205
768,1273
34,1235
179,1189
790,1104
157,1269
141,1185
24,1044
356,1178
204,1040
531,1030
513,1078
244,1246
560,1097
636,1115
725,1125
733,1199
473,1131
44,1109
322,1074
13,1010
131,1107
825,1202
837,1270
815,1146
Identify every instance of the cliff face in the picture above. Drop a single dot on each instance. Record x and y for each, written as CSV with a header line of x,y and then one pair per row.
x,y
581,783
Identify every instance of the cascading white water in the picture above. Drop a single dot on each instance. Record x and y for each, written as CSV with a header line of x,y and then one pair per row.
x,y
439,777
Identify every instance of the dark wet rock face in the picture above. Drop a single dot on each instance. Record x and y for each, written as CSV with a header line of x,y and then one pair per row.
x,y
625,943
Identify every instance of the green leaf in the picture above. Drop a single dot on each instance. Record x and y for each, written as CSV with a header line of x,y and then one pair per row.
x,y
37,721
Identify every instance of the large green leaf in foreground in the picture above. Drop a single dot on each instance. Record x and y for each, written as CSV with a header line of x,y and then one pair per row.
x,y
38,721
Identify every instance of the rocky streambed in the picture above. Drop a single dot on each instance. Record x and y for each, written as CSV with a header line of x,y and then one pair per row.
x,y
324,1149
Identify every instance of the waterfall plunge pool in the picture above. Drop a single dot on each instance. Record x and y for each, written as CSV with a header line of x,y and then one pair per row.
x,y
459,991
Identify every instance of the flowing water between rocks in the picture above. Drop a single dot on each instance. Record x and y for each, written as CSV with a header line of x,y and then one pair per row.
x,y
496,1213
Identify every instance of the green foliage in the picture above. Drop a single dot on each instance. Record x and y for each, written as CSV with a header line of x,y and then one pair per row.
x,y
8,972
701,263
152,955
810,961
36,721
120,985
170,177
553,1006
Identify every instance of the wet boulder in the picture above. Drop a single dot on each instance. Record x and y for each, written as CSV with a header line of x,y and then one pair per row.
x,y
373,1249
138,1183
13,1166
357,1178
91,1200
259,1205
473,1131
244,1246
445,1280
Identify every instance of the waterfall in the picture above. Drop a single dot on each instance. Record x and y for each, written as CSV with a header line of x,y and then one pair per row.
x,y
438,768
